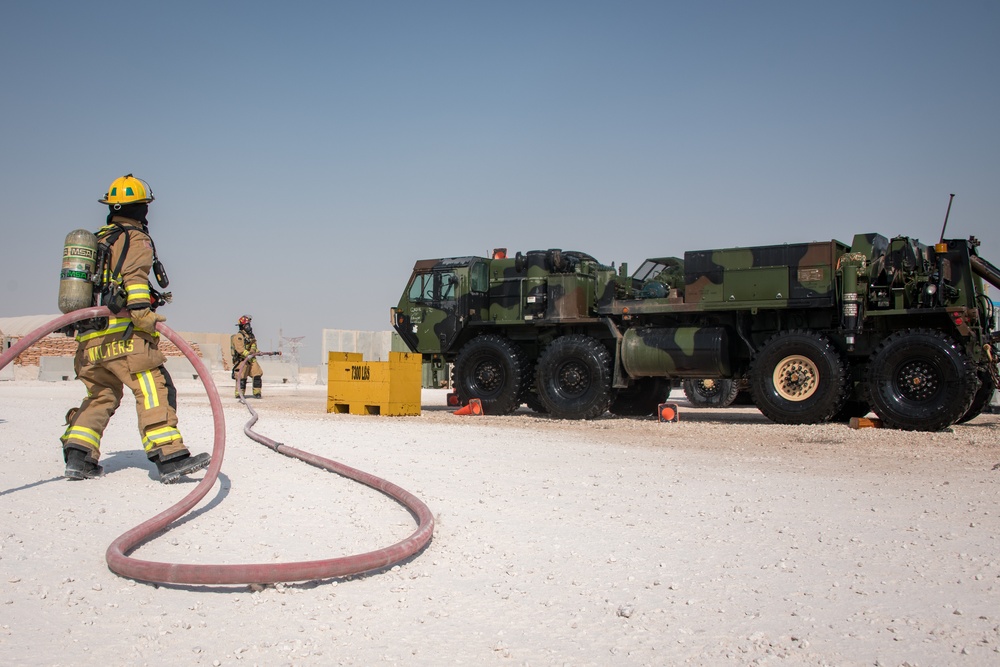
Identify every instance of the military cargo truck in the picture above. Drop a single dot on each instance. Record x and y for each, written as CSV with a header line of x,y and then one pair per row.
x,y
817,331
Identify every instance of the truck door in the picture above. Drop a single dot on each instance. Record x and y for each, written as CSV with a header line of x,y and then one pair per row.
x,y
475,303
430,319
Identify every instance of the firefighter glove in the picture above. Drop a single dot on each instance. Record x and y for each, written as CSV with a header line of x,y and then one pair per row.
x,y
145,319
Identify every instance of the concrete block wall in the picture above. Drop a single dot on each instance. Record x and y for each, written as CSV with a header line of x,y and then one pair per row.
x,y
215,349
216,353
59,345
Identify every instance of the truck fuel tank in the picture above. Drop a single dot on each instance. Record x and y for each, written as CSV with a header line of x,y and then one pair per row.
x,y
676,352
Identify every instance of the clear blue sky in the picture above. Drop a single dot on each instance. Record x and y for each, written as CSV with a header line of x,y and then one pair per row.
x,y
305,154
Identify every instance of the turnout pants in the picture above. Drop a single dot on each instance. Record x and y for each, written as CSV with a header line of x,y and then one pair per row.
x,y
250,370
105,380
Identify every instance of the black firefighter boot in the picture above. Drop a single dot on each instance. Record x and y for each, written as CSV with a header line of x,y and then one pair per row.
x,y
242,389
173,469
78,467
257,382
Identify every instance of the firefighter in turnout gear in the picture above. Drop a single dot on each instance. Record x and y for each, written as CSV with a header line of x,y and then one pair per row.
x,y
243,346
122,351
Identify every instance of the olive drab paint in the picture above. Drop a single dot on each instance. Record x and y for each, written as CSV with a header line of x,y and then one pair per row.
x,y
817,331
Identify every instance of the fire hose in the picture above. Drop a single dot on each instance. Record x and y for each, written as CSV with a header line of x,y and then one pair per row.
x,y
249,573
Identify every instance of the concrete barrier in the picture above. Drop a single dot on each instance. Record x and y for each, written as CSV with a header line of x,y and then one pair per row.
x,y
211,354
56,369
278,372
180,367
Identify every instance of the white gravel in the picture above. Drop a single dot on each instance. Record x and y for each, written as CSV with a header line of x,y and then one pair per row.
x,y
722,539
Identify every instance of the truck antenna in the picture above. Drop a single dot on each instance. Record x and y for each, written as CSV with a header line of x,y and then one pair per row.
x,y
946,214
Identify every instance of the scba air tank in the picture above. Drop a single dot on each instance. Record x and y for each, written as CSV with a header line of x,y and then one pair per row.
x,y
76,286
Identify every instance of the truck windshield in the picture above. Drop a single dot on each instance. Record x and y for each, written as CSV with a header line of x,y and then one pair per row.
x,y
422,287
436,286
649,270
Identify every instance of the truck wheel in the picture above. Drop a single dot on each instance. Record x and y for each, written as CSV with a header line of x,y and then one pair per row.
x,y
710,392
574,378
642,398
492,369
982,398
920,380
533,403
798,378
529,394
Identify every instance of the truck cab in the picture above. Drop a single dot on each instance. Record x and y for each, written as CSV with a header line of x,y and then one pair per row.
x,y
442,298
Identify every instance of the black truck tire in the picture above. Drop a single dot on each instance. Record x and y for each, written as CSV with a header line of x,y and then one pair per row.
x,y
710,392
533,403
573,377
982,398
491,368
798,378
529,394
920,380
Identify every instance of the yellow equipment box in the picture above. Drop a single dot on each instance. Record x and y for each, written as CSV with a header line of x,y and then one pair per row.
x,y
359,387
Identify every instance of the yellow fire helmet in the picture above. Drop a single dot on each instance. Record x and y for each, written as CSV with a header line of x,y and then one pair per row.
x,y
128,189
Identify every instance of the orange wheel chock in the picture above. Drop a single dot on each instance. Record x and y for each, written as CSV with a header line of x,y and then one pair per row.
x,y
667,412
864,422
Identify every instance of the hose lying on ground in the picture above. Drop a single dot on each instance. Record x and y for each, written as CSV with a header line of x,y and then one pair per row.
x,y
250,573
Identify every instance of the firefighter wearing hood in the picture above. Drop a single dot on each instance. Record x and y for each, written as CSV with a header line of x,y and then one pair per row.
x,y
123,350
243,345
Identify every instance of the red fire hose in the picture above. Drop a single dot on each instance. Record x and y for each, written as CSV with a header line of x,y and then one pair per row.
x,y
250,573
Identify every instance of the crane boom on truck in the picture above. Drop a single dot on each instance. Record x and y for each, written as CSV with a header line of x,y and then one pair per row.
x,y
819,331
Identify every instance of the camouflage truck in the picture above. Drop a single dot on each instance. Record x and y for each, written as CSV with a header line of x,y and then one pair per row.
x,y
817,331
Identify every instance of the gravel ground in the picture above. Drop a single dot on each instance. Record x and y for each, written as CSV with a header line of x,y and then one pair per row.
x,y
722,539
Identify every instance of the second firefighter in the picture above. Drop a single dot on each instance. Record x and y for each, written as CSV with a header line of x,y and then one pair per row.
x,y
243,345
